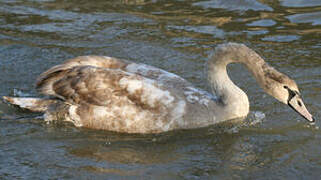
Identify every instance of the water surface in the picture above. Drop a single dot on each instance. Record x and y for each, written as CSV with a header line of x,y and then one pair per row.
x,y
177,36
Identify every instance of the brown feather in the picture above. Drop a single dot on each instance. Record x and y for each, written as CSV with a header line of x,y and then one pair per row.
x,y
47,79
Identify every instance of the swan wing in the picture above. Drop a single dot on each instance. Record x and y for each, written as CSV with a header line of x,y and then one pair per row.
x,y
45,80
102,86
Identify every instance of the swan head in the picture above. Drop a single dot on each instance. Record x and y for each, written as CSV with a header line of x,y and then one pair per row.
x,y
285,90
272,81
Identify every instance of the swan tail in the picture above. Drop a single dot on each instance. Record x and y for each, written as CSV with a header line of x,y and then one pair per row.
x,y
30,103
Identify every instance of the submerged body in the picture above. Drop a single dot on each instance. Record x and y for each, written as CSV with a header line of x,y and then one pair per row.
x,y
117,95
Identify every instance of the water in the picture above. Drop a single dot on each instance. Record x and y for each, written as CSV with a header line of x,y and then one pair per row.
x,y
178,36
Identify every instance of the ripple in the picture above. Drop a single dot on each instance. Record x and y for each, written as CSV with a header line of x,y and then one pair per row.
x,y
314,18
301,3
66,22
281,38
241,5
254,33
263,23
201,29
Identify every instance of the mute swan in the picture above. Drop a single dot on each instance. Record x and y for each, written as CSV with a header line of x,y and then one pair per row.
x,y
111,94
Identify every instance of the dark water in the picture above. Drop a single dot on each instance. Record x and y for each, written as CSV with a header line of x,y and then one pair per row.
x,y
177,36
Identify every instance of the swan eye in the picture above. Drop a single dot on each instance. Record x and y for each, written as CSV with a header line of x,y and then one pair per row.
x,y
286,87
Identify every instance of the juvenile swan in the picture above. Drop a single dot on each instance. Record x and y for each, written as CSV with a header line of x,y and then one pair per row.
x,y
117,95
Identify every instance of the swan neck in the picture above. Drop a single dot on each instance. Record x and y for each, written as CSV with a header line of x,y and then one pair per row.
x,y
233,101
237,53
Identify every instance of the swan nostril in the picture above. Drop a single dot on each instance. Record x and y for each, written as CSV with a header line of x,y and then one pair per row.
x,y
299,103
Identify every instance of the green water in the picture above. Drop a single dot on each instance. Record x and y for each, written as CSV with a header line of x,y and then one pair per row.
x,y
177,36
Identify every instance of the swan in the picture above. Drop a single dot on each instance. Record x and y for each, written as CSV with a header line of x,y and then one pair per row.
x,y
112,94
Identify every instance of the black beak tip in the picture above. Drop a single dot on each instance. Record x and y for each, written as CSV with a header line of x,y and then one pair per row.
x,y
313,120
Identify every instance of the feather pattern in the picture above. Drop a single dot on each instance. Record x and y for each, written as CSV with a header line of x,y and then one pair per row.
x,y
115,95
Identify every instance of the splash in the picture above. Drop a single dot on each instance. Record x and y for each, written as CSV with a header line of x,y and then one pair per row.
x,y
312,125
20,93
255,117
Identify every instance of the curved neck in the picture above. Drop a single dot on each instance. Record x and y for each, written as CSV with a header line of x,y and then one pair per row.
x,y
232,101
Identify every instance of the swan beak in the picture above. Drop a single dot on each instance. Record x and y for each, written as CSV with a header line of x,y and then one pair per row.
x,y
297,104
